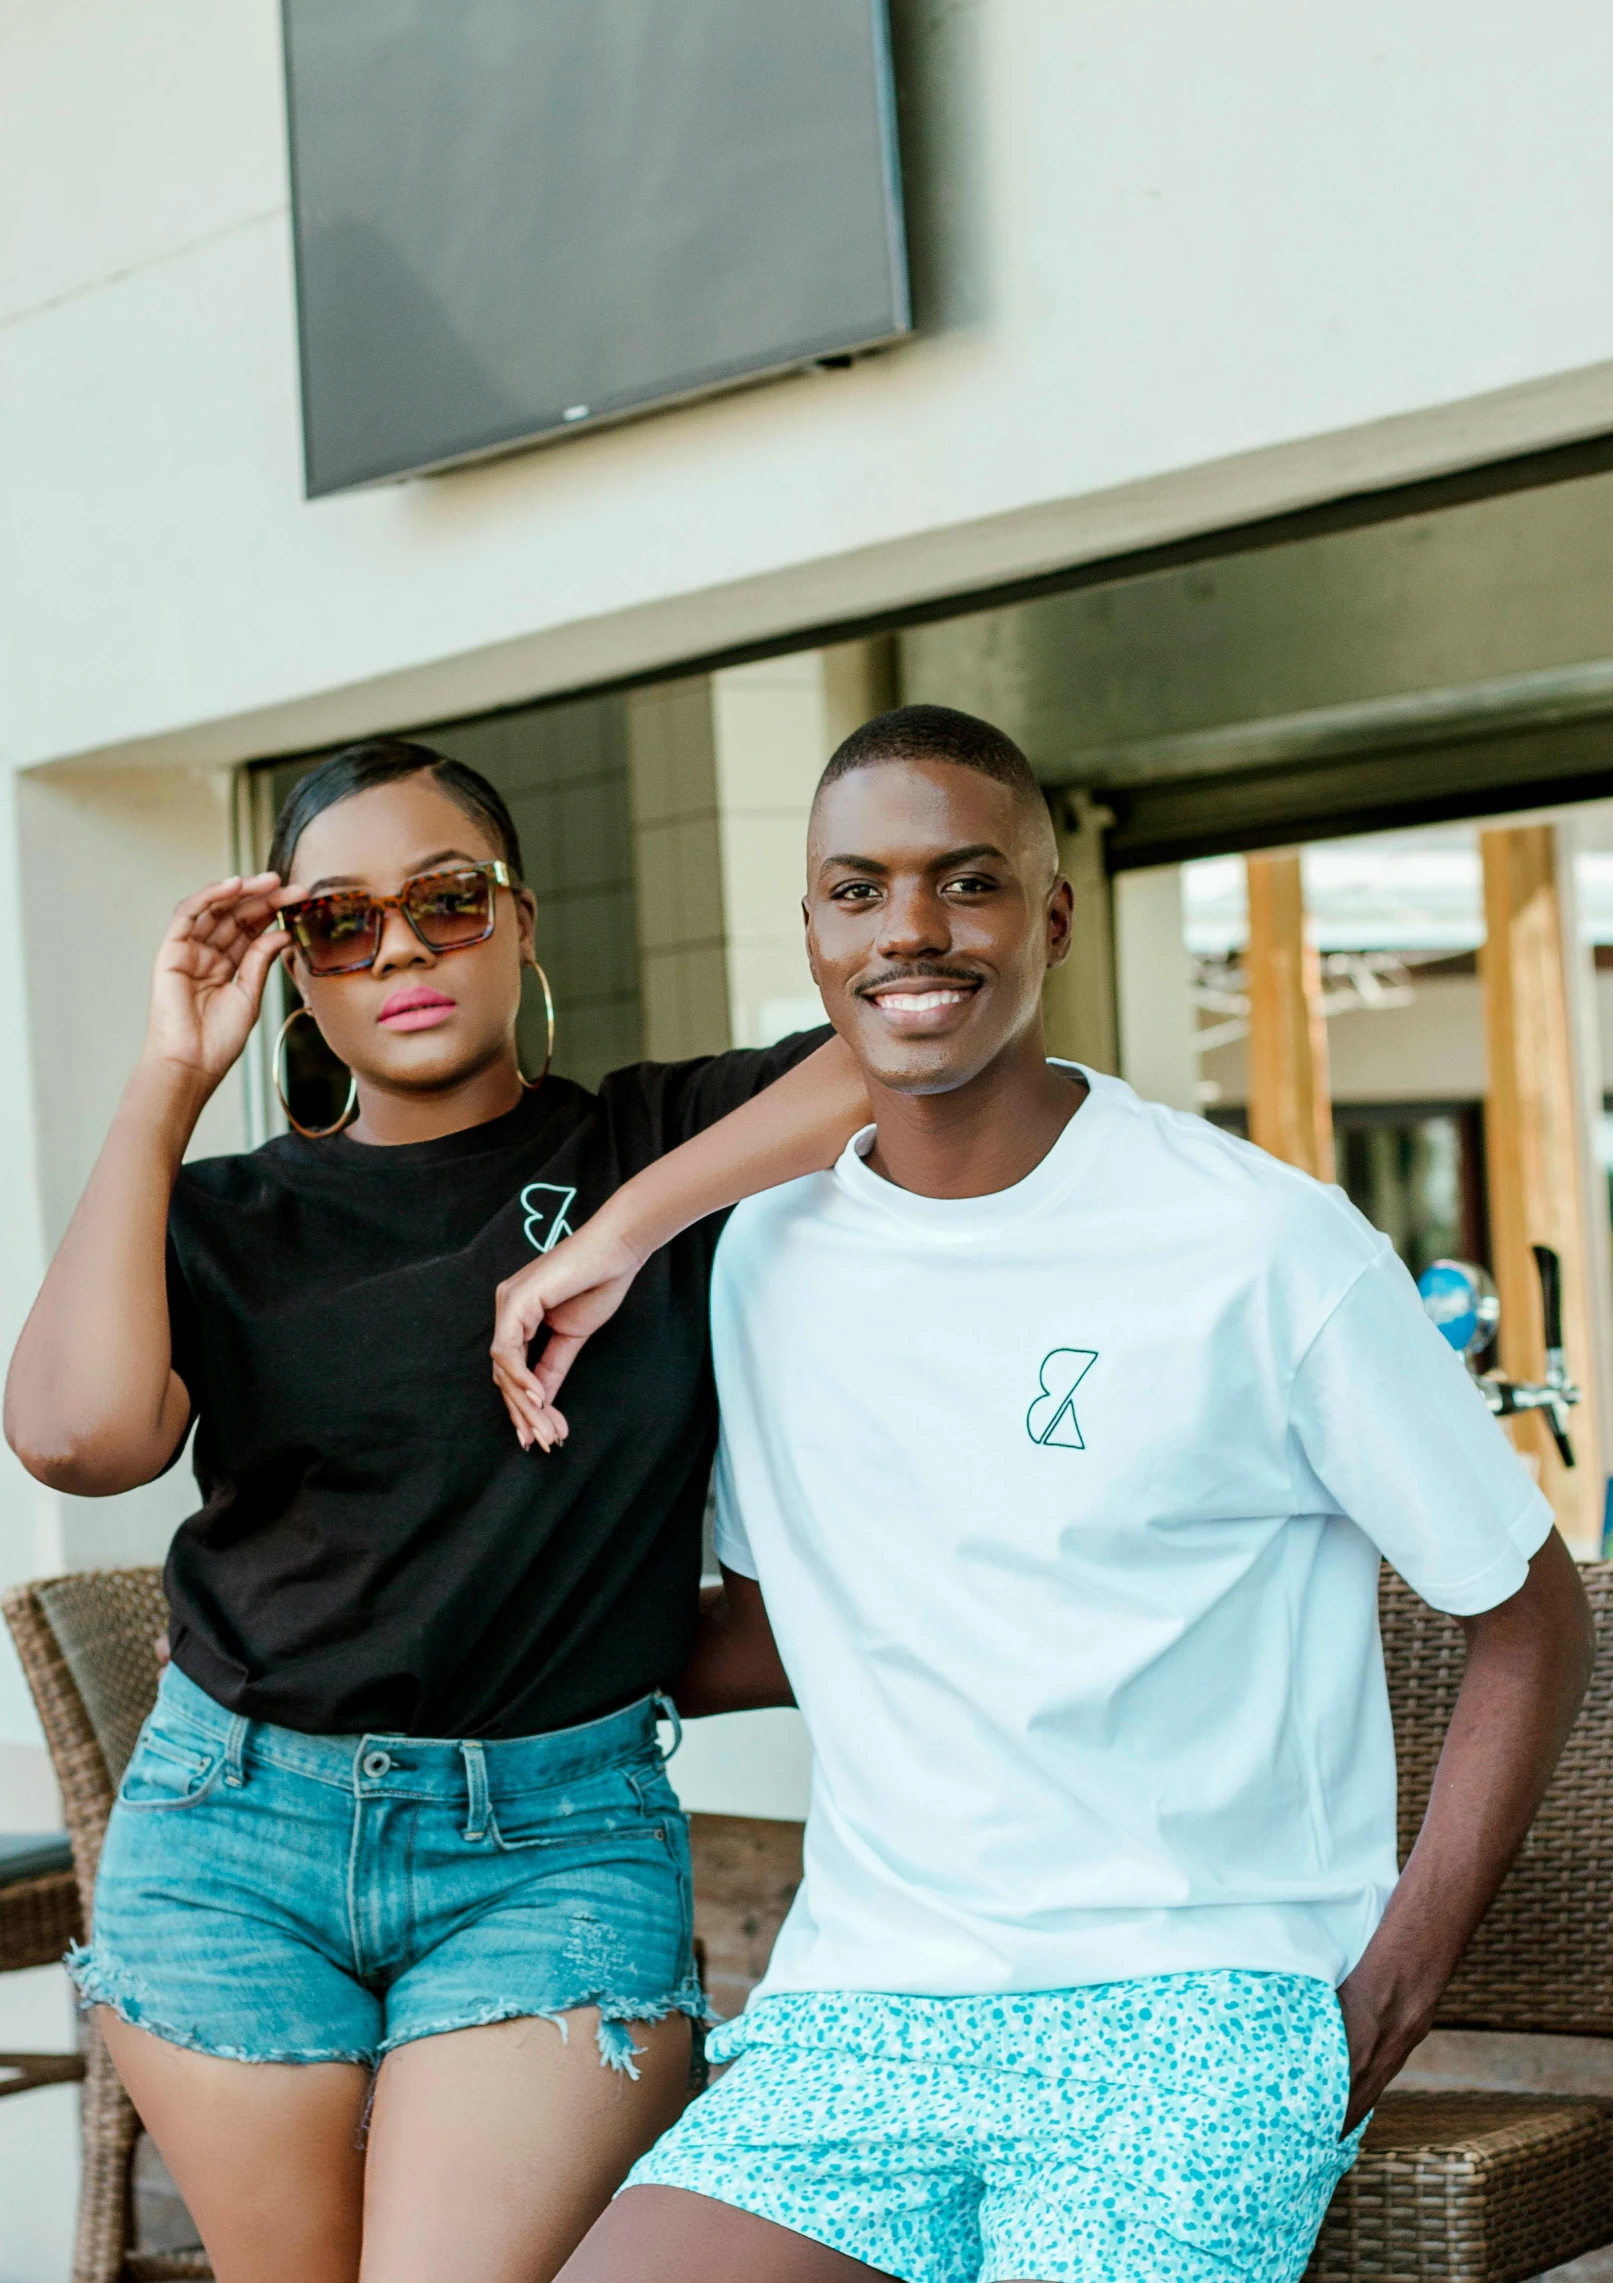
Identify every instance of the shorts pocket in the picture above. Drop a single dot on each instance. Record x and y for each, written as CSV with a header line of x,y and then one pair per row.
x,y
170,1768
607,1806
1342,2066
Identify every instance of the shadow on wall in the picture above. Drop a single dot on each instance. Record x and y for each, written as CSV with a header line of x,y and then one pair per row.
x,y
935,48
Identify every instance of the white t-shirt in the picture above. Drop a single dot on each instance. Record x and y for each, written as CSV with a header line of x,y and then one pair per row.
x,y
1066,1504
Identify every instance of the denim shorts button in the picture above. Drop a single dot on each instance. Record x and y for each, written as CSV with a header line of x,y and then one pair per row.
x,y
377,1763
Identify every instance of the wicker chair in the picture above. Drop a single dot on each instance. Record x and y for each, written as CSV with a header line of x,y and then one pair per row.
x,y
39,1917
88,1648
1479,2187
1488,2187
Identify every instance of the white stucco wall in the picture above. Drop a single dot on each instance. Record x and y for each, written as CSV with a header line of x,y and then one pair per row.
x,y
1173,266
1177,264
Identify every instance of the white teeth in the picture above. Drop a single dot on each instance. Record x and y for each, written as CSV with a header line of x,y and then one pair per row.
x,y
918,1002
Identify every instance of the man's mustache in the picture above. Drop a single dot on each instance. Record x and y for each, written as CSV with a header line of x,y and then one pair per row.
x,y
926,971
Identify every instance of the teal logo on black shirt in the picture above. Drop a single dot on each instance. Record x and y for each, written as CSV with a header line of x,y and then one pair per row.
x,y
1051,1419
546,1205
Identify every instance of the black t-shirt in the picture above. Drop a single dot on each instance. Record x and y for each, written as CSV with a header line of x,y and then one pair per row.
x,y
375,1550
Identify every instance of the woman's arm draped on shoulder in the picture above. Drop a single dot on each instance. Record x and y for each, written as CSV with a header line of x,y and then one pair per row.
x,y
93,1404
799,1124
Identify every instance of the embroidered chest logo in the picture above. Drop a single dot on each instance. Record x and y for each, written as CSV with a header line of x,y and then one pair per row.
x,y
1051,1419
546,1205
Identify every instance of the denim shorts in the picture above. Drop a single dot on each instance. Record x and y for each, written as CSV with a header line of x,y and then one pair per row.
x,y
1178,2129
270,1896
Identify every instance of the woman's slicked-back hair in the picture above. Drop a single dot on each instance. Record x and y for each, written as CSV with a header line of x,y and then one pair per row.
x,y
386,761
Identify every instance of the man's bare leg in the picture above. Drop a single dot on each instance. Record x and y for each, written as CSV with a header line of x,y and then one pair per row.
x,y
669,2235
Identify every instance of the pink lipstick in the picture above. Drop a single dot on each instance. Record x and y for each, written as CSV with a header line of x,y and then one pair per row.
x,y
417,1009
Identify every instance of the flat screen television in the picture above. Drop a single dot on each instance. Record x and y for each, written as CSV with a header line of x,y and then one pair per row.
x,y
518,218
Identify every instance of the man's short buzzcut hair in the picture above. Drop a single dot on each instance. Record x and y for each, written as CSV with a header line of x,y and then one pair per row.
x,y
935,733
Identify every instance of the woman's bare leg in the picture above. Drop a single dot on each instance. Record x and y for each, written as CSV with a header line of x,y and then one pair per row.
x,y
492,2151
266,2154
670,2235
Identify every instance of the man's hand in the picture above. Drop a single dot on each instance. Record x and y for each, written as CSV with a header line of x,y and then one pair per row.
x,y
571,1291
1528,1666
799,1124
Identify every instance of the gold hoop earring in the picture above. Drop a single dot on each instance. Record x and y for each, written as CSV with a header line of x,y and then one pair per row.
x,y
349,1107
548,1052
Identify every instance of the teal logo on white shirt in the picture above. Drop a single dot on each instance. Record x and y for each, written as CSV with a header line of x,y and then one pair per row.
x,y
546,1204
1051,1419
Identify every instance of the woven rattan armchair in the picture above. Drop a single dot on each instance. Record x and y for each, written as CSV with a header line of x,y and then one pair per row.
x,y
1479,2187
39,1917
1488,2187
88,1645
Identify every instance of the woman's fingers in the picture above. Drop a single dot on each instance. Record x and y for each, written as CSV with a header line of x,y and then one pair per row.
x,y
534,1421
229,928
203,900
212,918
527,1401
517,1315
572,1291
559,1354
257,959
529,1389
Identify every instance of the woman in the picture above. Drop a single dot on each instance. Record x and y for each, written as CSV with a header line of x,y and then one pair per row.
x,y
400,1814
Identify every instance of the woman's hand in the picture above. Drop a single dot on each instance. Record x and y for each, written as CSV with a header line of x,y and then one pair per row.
x,y
571,1291
211,969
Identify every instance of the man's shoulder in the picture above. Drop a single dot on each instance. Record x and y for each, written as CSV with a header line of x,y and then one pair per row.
x,y
1181,1165
794,1205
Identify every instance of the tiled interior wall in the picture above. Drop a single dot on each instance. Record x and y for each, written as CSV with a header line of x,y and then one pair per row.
x,y
771,735
682,927
563,770
723,768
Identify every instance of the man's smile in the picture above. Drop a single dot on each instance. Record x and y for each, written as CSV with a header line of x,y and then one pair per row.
x,y
919,1002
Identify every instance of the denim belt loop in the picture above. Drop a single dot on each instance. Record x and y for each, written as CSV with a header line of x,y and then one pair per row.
x,y
235,1752
480,1805
666,1710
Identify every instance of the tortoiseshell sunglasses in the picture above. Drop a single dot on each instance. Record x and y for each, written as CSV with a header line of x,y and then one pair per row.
x,y
339,933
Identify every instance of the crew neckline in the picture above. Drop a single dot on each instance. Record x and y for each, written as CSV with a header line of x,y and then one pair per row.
x,y
963,1217
507,1131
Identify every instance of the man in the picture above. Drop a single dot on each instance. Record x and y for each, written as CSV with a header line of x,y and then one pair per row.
x,y
1062,1435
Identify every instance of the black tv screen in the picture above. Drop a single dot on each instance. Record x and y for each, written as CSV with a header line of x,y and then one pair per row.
x,y
515,218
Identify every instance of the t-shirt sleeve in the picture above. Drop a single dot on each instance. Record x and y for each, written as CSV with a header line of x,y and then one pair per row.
x,y
184,1343
683,1098
184,1328
733,1546
1397,1437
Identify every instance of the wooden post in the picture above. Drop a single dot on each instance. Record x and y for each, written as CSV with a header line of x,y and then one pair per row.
x,y
1535,1159
1290,1104
1078,1001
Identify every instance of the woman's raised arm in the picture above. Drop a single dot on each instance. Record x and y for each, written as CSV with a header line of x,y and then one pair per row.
x,y
799,1124
93,1404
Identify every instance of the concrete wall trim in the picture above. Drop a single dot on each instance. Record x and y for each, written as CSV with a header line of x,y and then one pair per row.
x,y
793,607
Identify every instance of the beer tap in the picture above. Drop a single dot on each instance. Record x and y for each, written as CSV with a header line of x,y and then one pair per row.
x,y
1460,1298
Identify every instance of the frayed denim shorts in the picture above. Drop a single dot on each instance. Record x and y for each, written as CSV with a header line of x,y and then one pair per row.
x,y
270,1896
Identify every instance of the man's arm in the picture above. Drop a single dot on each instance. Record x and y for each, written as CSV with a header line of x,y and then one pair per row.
x,y
1528,1666
734,1665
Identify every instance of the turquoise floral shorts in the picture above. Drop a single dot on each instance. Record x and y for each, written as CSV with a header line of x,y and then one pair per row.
x,y
1182,2129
